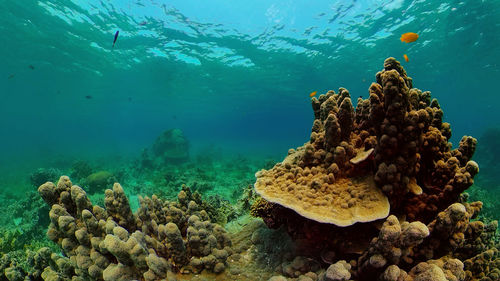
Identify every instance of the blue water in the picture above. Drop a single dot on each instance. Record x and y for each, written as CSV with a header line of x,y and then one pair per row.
x,y
236,74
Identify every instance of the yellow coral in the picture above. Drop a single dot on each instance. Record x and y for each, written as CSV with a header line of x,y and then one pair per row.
x,y
316,194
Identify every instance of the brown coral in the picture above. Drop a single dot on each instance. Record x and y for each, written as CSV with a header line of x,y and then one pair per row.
x,y
115,244
394,245
320,197
444,269
396,143
402,129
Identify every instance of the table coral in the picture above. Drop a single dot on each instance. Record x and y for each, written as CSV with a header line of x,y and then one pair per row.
x,y
316,195
112,243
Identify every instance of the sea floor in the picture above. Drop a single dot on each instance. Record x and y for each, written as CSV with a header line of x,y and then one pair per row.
x,y
259,252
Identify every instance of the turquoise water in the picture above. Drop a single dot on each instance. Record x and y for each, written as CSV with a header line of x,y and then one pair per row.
x,y
233,76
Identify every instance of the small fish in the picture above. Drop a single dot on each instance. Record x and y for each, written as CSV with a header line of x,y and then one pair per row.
x,y
129,99
409,37
11,76
142,23
313,94
31,67
406,58
116,37
88,97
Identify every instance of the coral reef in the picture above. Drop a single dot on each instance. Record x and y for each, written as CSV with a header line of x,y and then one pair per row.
x,y
40,265
394,245
338,271
375,194
443,269
484,266
115,244
451,247
395,142
170,147
389,156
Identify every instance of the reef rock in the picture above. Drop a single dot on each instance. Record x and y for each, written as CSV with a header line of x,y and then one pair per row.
x,y
171,147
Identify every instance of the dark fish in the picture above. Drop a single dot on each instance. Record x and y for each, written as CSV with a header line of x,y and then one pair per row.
x,y
129,99
11,76
142,23
31,66
116,37
88,97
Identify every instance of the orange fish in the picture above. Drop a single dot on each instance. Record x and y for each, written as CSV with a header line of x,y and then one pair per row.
x,y
406,58
409,37
313,94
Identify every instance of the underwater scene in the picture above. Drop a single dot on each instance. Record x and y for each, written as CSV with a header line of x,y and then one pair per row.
x,y
267,140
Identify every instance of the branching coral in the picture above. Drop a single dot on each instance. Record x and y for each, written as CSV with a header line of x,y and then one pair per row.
x,y
115,244
484,266
396,138
444,269
396,143
40,265
394,245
